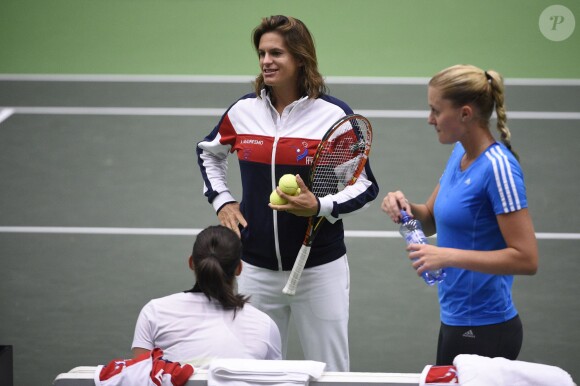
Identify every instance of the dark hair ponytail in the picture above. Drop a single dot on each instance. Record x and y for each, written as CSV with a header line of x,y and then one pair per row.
x,y
217,253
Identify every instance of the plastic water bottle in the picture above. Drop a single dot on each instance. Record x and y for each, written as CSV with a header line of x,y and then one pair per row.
x,y
412,232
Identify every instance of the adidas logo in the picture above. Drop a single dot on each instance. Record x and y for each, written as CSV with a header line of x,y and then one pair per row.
x,y
469,334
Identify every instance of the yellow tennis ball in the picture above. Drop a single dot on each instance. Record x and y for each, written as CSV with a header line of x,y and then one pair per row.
x,y
275,199
288,184
298,191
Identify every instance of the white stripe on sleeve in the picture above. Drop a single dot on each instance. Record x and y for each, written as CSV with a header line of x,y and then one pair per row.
x,y
502,169
497,181
510,175
504,180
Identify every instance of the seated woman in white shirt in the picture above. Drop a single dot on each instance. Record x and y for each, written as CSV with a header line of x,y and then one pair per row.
x,y
211,320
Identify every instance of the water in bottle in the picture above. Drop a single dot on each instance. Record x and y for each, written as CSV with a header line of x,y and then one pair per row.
x,y
412,232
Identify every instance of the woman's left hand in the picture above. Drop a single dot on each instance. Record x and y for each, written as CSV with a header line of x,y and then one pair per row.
x,y
428,257
304,204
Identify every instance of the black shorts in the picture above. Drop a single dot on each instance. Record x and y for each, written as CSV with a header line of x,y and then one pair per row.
x,y
493,340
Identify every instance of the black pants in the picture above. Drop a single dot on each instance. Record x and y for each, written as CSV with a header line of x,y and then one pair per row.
x,y
494,340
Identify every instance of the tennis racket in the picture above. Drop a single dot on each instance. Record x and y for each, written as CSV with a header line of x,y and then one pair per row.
x,y
339,160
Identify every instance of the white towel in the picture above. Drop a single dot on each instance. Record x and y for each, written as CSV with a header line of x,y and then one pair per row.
x,y
245,372
475,370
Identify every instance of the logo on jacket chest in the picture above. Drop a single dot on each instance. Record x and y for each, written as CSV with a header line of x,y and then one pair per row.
x,y
301,151
258,142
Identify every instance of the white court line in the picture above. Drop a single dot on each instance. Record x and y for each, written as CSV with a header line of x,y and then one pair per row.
x,y
392,234
104,230
195,231
217,112
542,115
139,111
127,78
424,81
532,115
250,78
5,114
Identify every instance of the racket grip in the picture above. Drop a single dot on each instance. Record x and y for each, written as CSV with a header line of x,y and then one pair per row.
x,y
294,278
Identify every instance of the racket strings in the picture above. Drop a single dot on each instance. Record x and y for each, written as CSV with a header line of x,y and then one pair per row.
x,y
340,157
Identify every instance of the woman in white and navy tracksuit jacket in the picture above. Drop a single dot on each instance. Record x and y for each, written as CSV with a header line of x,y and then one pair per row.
x,y
272,139
266,152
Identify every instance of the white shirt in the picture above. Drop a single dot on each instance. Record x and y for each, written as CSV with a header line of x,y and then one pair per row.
x,y
191,329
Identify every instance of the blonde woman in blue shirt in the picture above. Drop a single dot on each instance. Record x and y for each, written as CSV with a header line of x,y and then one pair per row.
x,y
485,234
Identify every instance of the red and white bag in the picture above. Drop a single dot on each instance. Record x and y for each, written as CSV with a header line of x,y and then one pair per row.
x,y
146,370
438,375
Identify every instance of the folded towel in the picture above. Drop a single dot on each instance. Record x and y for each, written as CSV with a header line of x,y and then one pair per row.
x,y
246,372
475,370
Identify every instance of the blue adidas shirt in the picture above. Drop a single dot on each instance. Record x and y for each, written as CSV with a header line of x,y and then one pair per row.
x,y
465,215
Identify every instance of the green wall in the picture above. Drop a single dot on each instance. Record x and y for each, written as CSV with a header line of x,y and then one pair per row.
x,y
212,37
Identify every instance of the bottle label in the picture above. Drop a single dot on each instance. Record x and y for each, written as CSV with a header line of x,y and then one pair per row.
x,y
415,237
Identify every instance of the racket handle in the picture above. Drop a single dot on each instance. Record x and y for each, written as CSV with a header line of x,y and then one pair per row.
x,y
294,278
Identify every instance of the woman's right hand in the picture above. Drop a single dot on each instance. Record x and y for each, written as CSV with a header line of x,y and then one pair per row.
x,y
231,217
393,203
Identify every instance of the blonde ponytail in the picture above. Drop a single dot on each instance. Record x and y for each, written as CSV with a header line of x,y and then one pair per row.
x,y
497,92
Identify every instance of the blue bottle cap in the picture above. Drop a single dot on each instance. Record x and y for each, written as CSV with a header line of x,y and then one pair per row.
x,y
405,216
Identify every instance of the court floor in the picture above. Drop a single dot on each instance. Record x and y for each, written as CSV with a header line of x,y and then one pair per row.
x,y
101,198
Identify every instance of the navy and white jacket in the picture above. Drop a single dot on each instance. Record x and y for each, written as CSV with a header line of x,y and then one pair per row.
x,y
268,146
